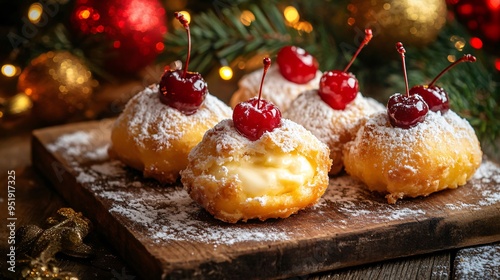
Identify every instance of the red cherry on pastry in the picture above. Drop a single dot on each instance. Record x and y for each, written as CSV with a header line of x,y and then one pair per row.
x,y
296,65
180,89
339,88
436,97
256,116
406,111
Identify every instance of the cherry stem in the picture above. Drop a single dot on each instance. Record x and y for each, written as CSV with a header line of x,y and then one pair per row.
x,y
368,37
465,58
400,48
180,17
267,64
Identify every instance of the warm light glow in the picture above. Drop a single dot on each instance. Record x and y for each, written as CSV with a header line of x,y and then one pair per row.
x,y
226,73
351,21
451,58
35,12
9,70
476,43
458,42
493,4
291,14
84,14
247,17
304,26
497,64
20,103
159,47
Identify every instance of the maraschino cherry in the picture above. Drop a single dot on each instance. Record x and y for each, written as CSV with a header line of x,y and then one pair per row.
x,y
180,89
436,97
339,88
296,64
256,116
406,111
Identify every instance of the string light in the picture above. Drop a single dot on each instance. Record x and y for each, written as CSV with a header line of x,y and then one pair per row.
x,y
9,70
35,12
304,26
226,73
20,103
458,42
247,17
497,64
291,14
451,58
476,43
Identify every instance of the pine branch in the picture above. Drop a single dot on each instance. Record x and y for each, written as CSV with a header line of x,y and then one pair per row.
x,y
222,36
473,92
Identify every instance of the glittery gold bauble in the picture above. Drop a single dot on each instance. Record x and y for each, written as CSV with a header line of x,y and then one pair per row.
x,y
59,84
415,23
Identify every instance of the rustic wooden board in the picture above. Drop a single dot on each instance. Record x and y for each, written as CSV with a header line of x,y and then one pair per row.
x,y
164,235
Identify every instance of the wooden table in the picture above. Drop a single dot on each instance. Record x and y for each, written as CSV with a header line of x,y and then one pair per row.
x,y
36,200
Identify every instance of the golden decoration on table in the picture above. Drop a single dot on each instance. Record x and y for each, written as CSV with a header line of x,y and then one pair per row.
x,y
64,234
416,23
59,84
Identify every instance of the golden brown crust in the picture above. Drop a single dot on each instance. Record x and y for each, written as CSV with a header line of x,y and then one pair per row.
x,y
210,182
442,152
156,139
332,127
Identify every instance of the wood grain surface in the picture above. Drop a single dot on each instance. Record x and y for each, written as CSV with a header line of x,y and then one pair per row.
x,y
163,234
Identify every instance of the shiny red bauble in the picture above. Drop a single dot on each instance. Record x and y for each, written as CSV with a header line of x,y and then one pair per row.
x,y
128,34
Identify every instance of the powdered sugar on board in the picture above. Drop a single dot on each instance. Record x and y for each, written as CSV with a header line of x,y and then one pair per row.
x,y
166,213
478,263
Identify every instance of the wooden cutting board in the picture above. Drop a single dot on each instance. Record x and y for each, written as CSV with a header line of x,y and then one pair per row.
x,y
164,235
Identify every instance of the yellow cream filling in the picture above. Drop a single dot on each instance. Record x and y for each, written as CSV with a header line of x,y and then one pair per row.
x,y
271,174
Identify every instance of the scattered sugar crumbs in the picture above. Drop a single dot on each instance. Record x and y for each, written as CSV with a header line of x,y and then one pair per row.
x,y
478,263
169,214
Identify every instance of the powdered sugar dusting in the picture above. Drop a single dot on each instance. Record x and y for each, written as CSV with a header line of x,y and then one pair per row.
x,y
287,137
329,125
353,201
478,263
276,88
169,214
401,149
166,213
149,120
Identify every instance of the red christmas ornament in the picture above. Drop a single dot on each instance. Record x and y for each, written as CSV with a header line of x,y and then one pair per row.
x,y
482,19
134,29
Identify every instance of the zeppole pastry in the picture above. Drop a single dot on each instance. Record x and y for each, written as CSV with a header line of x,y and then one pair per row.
x,y
414,149
334,112
256,165
296,71
161,124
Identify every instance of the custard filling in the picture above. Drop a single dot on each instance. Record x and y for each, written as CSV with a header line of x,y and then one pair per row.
x,y
271,174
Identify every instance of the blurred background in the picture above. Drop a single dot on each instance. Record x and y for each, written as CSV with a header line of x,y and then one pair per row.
x,y
65,61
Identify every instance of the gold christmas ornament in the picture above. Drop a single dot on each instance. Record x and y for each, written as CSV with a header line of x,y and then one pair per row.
x,y
415,23
59,84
